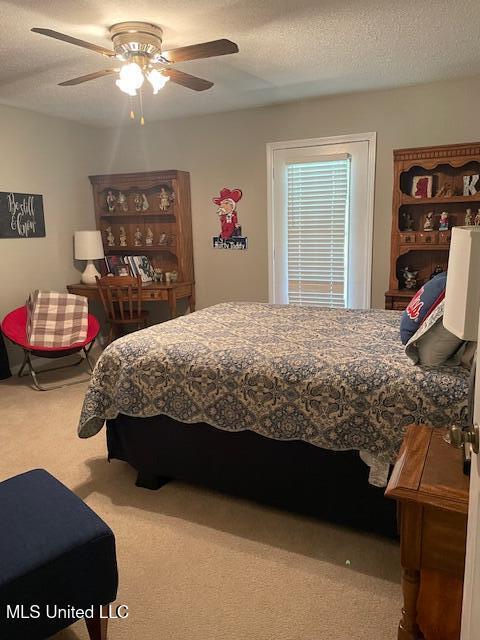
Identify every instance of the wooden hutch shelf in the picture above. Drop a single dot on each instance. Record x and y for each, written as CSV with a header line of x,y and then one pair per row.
x,y
411,246
140,250
405,199
157,205
405,248
126,214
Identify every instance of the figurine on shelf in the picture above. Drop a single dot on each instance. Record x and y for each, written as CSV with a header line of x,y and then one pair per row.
x,y
428,224
477,219
122,202
137,201
446,191
468,218
174,276
438,269
111,201
168,277
138,237
149,237
123,237
158,275
443,226
164,203
145,204
407,222
410,278
110,236
162,239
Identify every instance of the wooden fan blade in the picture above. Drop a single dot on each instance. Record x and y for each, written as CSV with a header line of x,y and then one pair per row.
x,y
204,50
186,80
79,43
89,76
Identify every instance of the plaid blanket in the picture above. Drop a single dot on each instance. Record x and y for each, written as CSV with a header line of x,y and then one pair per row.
x,y
56,319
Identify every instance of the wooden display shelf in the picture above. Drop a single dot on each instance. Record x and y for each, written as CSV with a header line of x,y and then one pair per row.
x,y
175,222
405,293
417,246
139,214
447,167
398,299
142,249
406,199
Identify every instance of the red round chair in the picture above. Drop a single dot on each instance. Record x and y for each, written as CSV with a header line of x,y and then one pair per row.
x,y
14,327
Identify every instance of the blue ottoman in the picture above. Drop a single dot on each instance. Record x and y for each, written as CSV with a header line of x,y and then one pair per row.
x,y
57,560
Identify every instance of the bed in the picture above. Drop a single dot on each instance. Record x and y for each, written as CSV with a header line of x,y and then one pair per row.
x,y
277,377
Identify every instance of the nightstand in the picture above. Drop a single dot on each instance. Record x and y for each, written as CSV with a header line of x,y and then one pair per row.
x,y
432,496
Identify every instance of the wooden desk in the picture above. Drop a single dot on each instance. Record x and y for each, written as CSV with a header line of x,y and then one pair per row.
x,y
432,496
151,292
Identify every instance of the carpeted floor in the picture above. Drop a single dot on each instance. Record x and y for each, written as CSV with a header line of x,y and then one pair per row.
x,y
196,565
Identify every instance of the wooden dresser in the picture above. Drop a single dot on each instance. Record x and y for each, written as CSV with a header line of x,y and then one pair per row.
x,y
432,496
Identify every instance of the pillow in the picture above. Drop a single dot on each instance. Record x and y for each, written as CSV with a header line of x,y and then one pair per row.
x,y
467,355
433,345
423,303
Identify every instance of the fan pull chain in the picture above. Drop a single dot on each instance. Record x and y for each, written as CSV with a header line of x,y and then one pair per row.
x,y
142,119
132,112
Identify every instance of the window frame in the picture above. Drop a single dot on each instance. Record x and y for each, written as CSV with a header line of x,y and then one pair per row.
x,y
367,216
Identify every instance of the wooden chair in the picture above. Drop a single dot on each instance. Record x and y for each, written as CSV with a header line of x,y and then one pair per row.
x,y
122,300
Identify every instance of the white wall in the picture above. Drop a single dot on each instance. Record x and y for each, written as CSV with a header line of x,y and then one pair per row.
x,y
54,157
51,157
228,149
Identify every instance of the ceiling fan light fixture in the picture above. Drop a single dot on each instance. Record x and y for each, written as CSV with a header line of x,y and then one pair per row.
x,y
137,46
131,76
125,87
157,80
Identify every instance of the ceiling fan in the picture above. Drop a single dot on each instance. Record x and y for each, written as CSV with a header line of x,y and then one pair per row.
x,y
137,46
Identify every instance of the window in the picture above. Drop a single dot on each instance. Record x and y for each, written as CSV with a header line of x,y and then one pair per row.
x,y
317,231
320,221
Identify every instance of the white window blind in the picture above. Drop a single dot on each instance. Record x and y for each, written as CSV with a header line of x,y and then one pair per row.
x,y
317,207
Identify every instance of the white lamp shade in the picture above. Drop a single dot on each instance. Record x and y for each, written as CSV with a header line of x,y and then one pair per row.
x,y
88,245
462,295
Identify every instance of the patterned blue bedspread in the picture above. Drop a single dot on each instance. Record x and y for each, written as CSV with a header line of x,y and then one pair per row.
x,y
338,379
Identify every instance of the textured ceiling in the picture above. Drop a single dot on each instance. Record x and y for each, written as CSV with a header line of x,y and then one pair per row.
x,y
289,49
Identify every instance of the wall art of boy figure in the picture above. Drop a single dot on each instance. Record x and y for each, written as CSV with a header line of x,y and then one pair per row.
x,y
230,236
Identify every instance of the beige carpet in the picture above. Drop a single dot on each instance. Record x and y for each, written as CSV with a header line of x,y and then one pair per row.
x,y
196,565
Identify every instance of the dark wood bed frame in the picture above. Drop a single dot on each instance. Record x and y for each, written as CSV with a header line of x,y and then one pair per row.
x,y
291,475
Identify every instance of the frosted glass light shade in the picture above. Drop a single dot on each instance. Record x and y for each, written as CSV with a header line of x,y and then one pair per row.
x,y
88,245
157,80
462,295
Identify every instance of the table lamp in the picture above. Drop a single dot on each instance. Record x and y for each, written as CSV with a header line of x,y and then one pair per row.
x,y
89,247
461,315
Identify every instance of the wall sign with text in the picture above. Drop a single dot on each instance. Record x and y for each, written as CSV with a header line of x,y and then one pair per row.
x,y
21,215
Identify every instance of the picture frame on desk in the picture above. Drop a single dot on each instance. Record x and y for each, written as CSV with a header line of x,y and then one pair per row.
x,y
122,270
112,262
142,267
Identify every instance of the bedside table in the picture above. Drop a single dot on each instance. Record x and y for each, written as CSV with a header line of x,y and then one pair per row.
x,y
432,497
